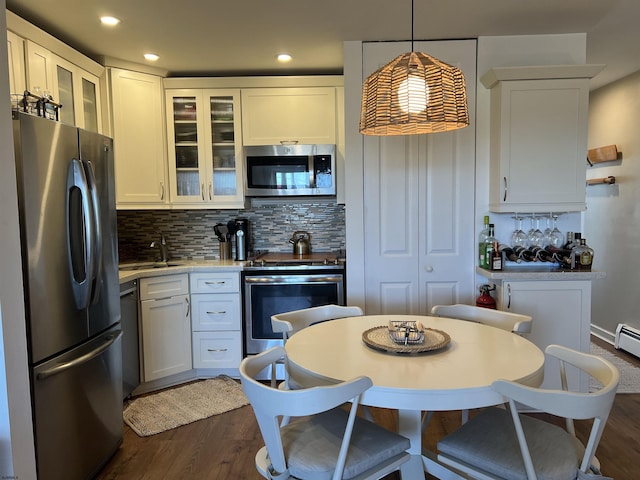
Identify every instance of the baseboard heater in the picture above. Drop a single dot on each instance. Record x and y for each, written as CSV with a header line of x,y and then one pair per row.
x,y
628,339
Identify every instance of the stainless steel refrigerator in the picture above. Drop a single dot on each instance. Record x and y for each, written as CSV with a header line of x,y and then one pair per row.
x,y
69,251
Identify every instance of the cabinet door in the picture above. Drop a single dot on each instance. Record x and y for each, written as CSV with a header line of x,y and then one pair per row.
x,y
17,78
89,100
140,160
64,90
561,312
419,196
185,134
539,145
224,153
166,337
271,116
40,69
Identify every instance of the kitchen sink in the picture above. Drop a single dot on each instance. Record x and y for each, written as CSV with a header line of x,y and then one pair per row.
x,y
148,265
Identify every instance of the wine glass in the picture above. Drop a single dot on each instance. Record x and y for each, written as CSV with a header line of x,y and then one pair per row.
x,y
556,237
519,238
547,231
536,237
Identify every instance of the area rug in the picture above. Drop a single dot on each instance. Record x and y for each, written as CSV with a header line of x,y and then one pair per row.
x,y
629,373
179,406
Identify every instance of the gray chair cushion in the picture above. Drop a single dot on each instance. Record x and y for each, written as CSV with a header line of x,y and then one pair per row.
x,y
489,442
312,445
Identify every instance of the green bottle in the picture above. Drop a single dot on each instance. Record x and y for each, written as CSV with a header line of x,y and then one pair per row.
x,y
482,246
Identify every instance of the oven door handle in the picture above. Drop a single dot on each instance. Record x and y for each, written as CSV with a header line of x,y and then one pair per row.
x,y
287,279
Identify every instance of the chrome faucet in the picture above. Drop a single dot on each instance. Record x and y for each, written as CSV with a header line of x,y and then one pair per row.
x,y
164,249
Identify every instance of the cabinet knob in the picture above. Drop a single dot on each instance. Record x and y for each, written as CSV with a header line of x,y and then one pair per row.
x,y
429,268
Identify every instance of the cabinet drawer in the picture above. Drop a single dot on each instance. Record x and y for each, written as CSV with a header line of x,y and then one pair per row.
x,y
222,282
217,349
215,311
163,287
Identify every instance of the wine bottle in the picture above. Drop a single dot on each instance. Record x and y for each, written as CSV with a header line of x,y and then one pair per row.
x,y
541,254
524,254
482,238
509,253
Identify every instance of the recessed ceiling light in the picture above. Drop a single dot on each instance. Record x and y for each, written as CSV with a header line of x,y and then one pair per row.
x,y
152,57
111,21
284,57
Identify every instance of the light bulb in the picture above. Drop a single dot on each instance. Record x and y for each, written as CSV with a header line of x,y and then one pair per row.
x,y
413,94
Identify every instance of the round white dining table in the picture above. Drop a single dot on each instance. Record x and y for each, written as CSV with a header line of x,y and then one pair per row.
x,y
455,377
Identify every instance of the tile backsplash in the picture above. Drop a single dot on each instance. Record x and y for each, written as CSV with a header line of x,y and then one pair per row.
x,y
189,233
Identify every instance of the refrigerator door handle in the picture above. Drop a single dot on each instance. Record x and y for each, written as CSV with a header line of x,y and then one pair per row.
x,y
76,362
79,238
96,232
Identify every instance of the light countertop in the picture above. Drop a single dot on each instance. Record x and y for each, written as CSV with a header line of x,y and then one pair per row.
x,y
133,271
539,273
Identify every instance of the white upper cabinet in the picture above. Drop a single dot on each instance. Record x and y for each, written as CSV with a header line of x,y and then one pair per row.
x,y
17,78
273,116
71,86
138,132
539,118
205,148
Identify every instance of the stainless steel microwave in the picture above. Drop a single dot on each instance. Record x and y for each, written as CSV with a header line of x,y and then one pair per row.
x,y
276,170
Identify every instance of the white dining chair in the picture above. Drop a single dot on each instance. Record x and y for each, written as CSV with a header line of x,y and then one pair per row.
x,y
289,323
323,440
505,444
511,322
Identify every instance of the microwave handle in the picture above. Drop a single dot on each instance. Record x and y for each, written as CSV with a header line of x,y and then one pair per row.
x,y
312,171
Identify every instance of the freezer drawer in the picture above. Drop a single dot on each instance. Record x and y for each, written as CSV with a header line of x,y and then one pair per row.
x,y
78,408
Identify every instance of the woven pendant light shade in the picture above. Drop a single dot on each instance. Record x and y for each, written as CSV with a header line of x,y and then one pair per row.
x,y
413,94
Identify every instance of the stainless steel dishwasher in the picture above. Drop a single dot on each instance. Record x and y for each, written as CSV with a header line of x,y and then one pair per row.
x,y
130,337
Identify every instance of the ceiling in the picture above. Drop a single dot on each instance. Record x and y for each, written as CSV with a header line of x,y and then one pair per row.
x,y
242,37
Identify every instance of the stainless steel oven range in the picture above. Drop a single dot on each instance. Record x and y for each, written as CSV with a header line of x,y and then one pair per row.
x,y
277,283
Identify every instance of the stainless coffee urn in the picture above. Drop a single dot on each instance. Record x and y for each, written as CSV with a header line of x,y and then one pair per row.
x,y
242,238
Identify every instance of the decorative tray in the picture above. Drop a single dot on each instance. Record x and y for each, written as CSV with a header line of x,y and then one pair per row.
x,y
380,338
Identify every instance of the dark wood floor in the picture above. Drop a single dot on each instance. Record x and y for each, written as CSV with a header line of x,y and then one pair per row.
x,y
222,447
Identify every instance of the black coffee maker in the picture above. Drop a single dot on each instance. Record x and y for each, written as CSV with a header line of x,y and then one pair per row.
x,y
242,238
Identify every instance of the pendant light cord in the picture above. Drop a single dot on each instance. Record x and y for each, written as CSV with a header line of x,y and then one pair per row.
x,y
412,25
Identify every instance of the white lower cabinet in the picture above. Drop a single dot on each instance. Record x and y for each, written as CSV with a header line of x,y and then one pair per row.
x,y
561,312
166,326
217,325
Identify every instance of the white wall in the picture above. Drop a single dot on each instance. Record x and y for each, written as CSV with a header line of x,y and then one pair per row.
x,y
17,455
612,219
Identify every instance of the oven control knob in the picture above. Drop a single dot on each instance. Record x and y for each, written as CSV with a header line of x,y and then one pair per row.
x,y
336,262
262,263
325,261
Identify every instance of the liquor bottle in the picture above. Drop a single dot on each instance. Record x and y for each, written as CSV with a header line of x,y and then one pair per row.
x,y
496,260
569,240
541,254
489,247
576,240
582,256
524,254
509,253
482,238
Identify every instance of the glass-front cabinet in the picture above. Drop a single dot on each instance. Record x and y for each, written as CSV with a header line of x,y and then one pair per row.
x,y
205,148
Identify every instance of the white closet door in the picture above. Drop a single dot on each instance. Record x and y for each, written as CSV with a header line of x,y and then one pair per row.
x,y
419,203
